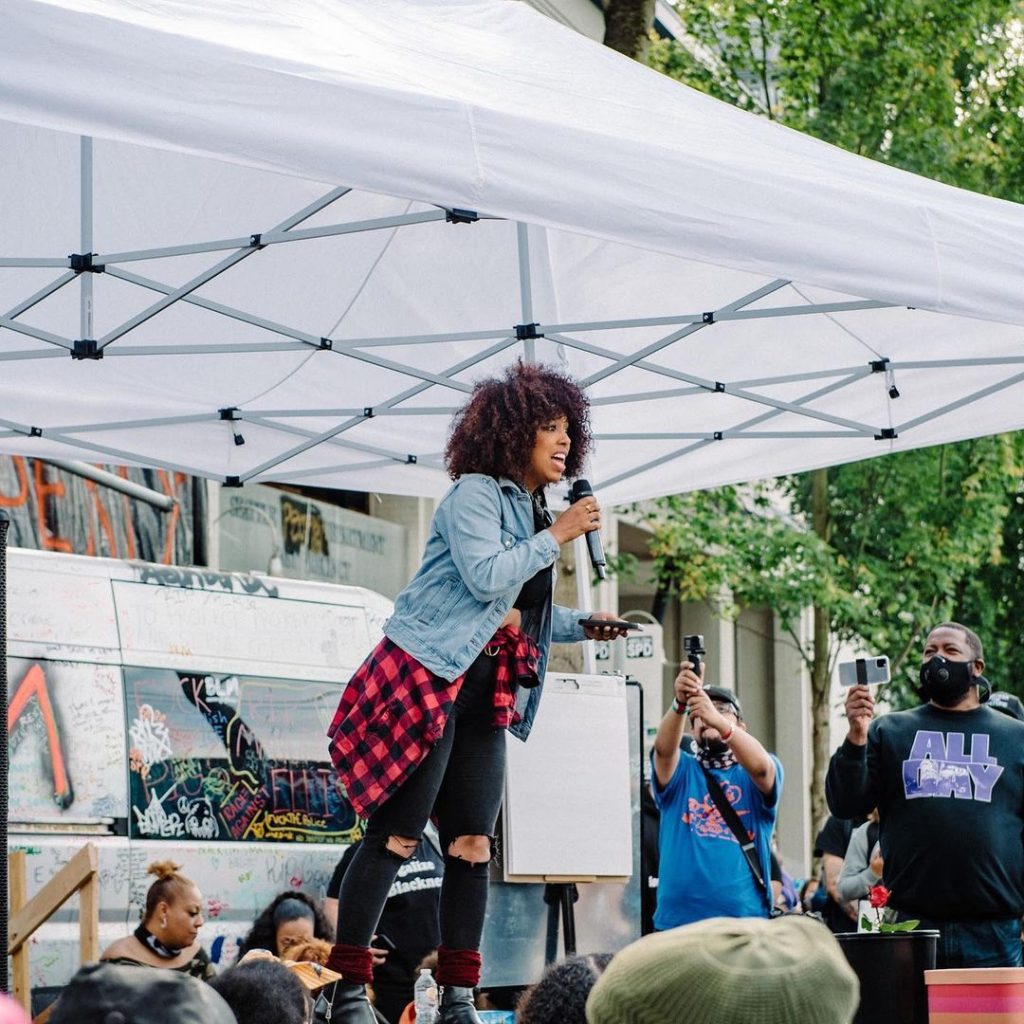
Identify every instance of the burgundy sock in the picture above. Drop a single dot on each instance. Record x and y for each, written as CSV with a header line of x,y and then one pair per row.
x,y
458,967
353,963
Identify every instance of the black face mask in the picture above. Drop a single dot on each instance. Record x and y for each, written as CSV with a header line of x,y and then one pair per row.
x,y
946,682
713,747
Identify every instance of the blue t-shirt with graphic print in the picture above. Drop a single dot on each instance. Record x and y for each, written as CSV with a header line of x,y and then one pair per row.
x,y
703,871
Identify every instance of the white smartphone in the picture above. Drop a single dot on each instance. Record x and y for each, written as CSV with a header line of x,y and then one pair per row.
x,y
864,671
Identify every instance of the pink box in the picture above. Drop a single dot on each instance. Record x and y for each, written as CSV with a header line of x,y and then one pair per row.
x,y
977,995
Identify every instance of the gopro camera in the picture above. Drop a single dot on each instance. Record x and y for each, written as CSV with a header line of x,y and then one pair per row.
x,y
693,645
864,671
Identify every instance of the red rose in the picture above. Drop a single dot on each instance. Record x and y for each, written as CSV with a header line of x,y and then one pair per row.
x,y
878,896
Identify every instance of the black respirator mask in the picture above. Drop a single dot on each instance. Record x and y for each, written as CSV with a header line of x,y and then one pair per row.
x,y
946,682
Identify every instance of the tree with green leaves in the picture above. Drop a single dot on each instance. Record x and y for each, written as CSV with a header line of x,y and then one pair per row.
x,y
627,26
880,549
933,88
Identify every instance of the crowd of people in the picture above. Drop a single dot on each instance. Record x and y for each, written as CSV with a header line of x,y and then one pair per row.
x,y
928,802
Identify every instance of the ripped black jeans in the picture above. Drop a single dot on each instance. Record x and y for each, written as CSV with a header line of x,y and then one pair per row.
x,y
461,781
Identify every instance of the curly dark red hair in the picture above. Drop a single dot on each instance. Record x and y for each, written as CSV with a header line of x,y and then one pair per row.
x,y
494,433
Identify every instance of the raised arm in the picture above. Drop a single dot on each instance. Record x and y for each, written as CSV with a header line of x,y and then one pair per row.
x,y
673,725
848,786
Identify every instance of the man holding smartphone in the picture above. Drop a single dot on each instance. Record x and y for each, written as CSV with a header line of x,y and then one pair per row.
x,y
703,870
948,780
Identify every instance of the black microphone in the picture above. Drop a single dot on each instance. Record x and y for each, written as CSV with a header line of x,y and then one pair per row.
x,y
581,489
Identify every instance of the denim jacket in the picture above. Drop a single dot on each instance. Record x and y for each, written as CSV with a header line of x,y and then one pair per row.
x,y
481,549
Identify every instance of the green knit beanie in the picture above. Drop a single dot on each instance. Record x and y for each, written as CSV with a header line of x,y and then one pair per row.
x,y
726,970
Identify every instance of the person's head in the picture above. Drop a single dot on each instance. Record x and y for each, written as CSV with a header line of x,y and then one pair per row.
x,y
263,992
294,921
313,950
174,906
560,997
807,891
289,916
725,701
729,971
121,994
952,662
11,1012
530,425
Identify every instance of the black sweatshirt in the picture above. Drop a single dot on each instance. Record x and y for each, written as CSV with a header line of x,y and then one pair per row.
x,y
949,786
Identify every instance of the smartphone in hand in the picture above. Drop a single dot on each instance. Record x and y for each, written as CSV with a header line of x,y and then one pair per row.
x,y
610,623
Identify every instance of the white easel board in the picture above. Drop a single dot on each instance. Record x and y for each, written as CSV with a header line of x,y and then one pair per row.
x,y
567,813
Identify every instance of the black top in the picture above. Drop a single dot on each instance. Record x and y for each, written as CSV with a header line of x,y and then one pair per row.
x,y
537,589
949,786
834,838
409,918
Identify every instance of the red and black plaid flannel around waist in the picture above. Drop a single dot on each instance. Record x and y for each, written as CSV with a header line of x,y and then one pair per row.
x,y
394,710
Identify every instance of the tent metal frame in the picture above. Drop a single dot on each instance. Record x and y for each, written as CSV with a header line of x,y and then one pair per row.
x,y
492,341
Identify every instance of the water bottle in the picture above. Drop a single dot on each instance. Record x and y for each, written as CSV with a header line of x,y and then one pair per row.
x,y
425,998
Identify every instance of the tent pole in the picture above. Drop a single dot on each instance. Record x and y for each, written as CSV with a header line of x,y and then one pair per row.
x,y
525,288
85,315
4,754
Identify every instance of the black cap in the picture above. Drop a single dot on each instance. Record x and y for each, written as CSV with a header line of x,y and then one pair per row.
x,y
107,993
724,696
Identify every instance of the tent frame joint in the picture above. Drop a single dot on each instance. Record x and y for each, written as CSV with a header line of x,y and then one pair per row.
x,y
884,366
255,241
232,414
528,332
86,348
326,345
886,434
708,317
82,263
232,481
456,216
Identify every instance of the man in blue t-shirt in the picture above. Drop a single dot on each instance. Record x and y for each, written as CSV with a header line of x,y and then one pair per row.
x,y
703,870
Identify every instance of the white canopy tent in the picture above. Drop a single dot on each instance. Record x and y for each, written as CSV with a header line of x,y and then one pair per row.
x,y
319,222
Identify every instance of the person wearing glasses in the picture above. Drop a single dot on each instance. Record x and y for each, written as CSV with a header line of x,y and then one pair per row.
x,y
704,871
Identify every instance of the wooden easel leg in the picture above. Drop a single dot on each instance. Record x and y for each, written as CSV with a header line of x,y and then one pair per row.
x,y
18,877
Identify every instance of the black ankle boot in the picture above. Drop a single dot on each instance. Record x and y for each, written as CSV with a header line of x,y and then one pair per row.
x,y
457,1006
348,1005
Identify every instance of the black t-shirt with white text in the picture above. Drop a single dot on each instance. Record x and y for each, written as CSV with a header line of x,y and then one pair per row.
x,y
409,918
949,786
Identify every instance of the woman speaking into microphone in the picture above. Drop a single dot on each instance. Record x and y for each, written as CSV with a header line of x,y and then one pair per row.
x,y
419,730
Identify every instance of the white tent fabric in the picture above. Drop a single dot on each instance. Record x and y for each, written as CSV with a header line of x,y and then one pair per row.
x,y
288,295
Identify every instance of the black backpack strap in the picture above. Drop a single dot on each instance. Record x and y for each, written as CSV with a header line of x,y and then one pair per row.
x,y
732,819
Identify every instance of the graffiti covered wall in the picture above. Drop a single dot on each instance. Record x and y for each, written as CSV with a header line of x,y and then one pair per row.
x,y
52,510
65,731
217,757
